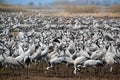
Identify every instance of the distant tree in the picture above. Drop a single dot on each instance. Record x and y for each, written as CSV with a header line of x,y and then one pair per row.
x,y
30,3
39,4
2,1
61,2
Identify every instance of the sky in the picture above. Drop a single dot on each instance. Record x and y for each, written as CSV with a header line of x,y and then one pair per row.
x,y
44,2
25,2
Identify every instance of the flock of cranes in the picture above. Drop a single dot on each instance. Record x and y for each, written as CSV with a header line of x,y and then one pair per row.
x,y
77,41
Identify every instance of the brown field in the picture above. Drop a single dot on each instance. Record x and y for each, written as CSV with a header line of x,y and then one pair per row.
x,y
97,14
11,8
96,11
86,9
70,11
92,9
114,8
60,72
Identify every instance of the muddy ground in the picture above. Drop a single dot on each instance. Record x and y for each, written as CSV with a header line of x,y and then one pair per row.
x,y
60,72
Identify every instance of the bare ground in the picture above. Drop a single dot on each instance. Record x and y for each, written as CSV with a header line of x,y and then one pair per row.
x,y
60,72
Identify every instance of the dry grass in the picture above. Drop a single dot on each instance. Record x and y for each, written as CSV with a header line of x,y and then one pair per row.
x,y
96,14
92,9
112,11
70,11
10,8
99,14
85,9
114,8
